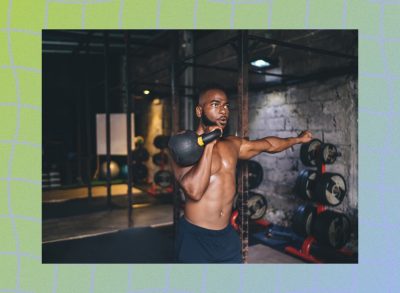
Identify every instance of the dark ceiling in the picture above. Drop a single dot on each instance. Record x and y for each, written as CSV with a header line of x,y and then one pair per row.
x,y
297,55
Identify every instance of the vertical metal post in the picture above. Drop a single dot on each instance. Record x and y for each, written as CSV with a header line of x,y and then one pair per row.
x,y
107,110
188,80
88,116
175,115
243,125
79,137
129,108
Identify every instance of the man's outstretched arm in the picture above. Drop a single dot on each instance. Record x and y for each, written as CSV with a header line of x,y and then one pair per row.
x,y
270,144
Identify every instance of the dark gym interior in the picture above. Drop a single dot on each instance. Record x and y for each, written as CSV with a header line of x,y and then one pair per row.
x,y
113,98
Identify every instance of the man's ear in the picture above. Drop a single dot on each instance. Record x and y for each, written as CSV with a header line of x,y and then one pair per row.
x,y
199,111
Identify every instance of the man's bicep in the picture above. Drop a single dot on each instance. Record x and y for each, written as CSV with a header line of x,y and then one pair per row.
x,y
251,148
179,172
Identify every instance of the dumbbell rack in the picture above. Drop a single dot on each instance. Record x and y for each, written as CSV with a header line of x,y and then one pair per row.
x,y
154,190
235,225
304,251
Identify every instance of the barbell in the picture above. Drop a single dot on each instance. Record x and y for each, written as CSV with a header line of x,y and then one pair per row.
x,y
329,228
328,188
316,151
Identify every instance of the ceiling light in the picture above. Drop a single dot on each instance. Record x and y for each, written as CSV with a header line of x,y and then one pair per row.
x,y
260,63
146,92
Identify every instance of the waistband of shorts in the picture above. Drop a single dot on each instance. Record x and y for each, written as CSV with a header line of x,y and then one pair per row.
x,y
200,230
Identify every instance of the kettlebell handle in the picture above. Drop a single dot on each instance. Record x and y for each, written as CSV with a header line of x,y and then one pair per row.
x,y
208,137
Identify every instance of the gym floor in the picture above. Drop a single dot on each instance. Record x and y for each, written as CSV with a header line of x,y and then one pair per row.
x,y
76,230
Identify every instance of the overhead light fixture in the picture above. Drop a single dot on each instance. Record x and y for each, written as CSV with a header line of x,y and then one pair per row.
x,y
260,63
146,92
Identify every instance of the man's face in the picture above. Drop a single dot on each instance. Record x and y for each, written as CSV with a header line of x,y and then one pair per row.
x,y
213,108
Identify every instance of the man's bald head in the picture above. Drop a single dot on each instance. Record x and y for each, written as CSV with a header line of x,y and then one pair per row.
x,y
206,93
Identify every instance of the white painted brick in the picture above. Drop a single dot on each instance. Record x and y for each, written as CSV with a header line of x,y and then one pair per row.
x,y
284,189
274,176
319,122
323,92
297,95
333,107
287,133
286,164
336,137
266,160
256,101
339,168
296,124
275,99
275,123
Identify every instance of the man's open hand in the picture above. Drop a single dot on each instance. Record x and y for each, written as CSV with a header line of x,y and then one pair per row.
x,y
305,136
214,127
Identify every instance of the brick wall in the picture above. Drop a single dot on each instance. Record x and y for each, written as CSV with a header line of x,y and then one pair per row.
x,y
329,110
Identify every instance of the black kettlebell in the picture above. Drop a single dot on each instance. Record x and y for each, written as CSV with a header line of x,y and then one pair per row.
x,y
187,148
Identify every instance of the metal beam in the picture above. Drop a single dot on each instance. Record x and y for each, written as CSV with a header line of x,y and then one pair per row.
x,y
207,50
302,48
129,108
175,118
108,122
88,117
251,71
243,125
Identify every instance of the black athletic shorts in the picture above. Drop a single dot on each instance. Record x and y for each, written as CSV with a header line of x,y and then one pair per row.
x,y
195,244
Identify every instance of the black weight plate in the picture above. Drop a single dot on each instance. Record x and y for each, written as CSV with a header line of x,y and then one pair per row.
x,y
140,154
308,152
163,178
303,218
161,141
236,202
139,173
305,184
255,172
332,229
160,159
257,206
330,189
328,153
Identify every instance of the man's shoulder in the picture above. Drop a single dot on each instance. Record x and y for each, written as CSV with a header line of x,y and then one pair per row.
x,y
233,139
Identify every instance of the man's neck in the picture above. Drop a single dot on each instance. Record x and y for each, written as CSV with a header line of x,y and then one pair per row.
x,y
201,129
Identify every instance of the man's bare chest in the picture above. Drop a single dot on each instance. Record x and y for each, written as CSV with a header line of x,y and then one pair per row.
x,y
224,158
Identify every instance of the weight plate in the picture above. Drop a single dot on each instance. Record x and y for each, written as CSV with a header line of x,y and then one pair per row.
x,y
305,184
308,152
161,141
332,229
160,159
303,218
329,153
139,173
140,154
163,178
236,203
255,173
257,206
330,189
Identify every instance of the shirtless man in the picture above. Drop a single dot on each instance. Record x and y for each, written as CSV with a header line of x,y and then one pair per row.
x,y
204,232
